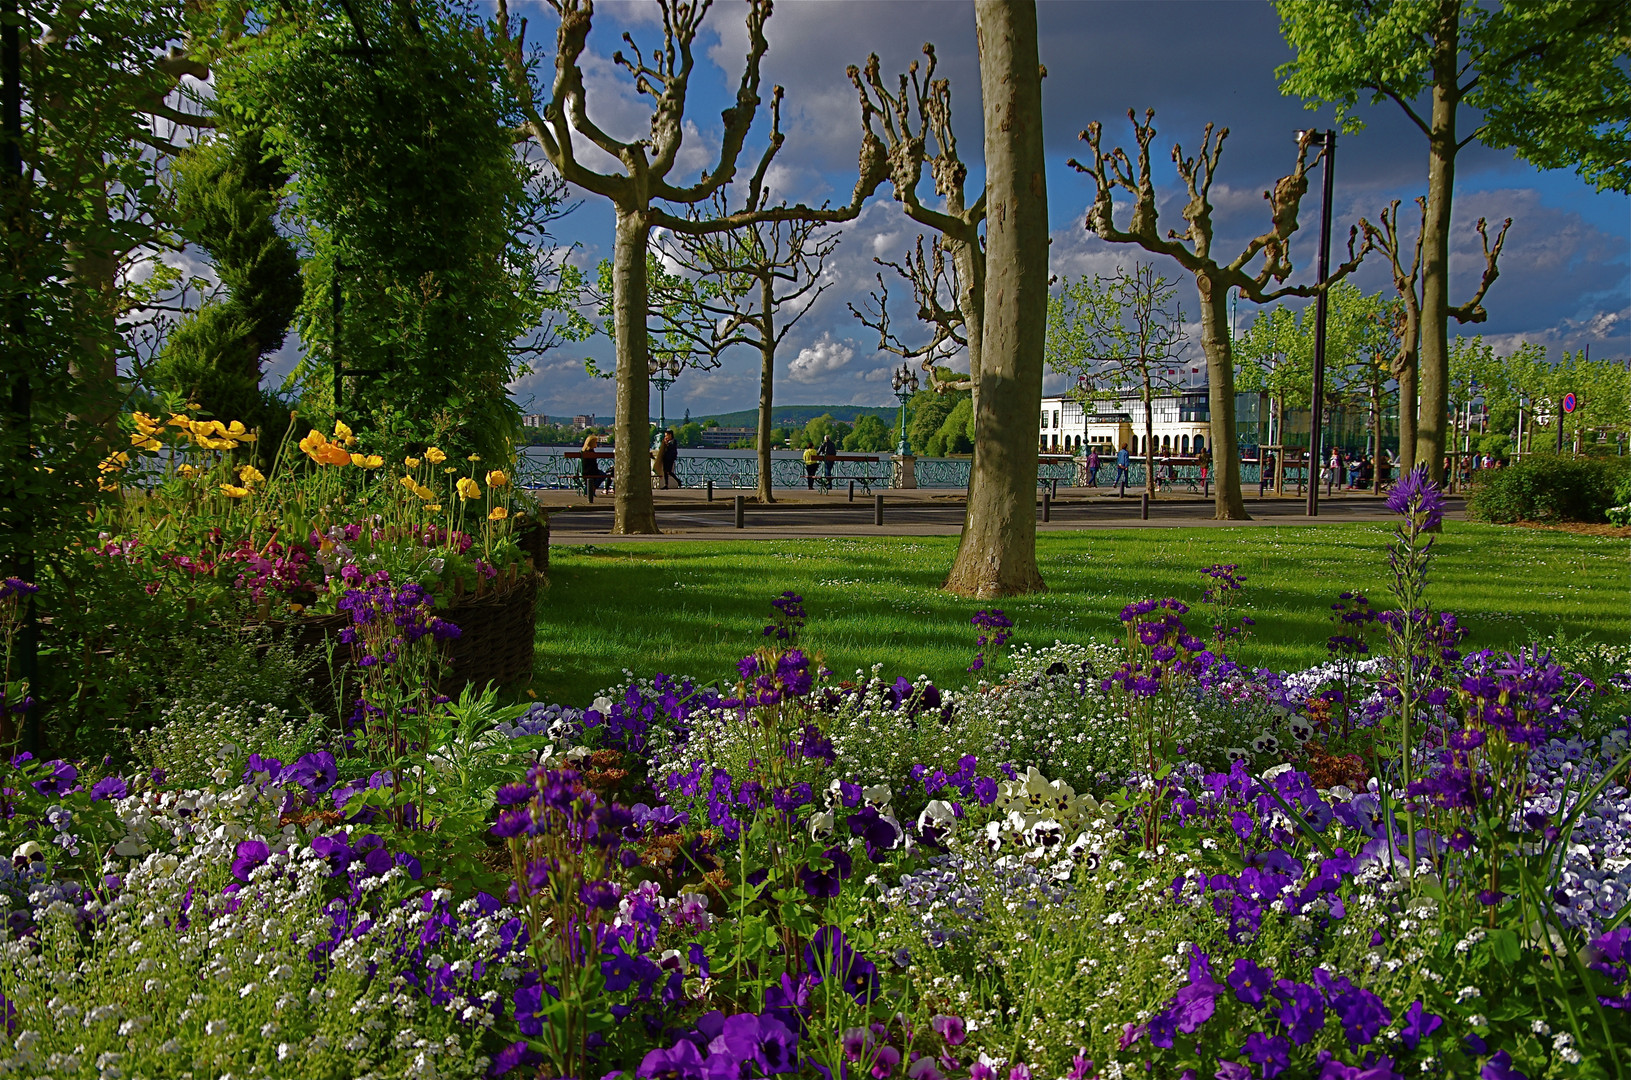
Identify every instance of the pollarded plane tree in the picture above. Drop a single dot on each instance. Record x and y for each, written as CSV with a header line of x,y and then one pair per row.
x,y
1193,251
1115,333
1546,78
1001,273
756,283
1412,287
936,290
914,123
639,188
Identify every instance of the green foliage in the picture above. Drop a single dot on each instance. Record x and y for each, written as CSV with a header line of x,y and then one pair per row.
x,y
226,198
1547,78
200,742
424,227
689,435
870,435
926,413
1546,487
956,433
819,428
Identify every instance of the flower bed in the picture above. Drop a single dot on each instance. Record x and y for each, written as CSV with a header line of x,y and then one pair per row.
x,y
1129,859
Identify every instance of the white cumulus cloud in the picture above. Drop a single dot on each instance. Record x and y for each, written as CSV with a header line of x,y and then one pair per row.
x,y
822,357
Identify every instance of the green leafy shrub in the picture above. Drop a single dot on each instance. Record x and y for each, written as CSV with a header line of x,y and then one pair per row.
x,y
1547,488
1620,512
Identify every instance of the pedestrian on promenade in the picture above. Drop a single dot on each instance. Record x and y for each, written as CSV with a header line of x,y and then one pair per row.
x,y
669,454
828,452
1123,461
1093,467
591,465
1203,458
811,464
1265,473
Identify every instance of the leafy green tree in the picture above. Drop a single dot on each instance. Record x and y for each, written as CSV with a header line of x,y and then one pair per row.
x,y
819,428
870,435
1118,333
227,203
1276,358
428,273
689,435
926,413
1546,78
956,433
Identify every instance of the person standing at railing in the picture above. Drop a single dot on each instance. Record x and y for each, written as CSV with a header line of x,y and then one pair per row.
x,y
812,457
828,452
591,465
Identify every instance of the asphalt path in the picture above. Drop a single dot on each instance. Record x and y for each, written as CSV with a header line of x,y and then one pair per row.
x,y
918,516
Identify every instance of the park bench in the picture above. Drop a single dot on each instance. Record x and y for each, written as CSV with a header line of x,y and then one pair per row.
x,y
578,480
1050,459
866,478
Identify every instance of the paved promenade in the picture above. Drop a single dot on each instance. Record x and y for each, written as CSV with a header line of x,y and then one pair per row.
x,y
686,514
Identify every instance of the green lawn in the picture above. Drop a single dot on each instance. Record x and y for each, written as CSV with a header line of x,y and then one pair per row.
x,y
695,608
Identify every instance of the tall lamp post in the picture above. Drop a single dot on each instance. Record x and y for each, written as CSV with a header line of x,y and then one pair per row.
x,y
663,375
904,382
1328,152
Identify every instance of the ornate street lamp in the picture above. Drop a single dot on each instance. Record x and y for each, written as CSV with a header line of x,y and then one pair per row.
x,y
904,383
664,376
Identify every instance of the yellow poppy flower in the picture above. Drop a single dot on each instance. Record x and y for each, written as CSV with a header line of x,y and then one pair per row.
x,y
147,425
425,493
233,492
342,432
449,471
435,456
468,488
236,429
497,513
331,454
250,475
497,479
179,421
409,483
114,462
312,443
143,441
372,461
412,462
186,470
357,460
473,457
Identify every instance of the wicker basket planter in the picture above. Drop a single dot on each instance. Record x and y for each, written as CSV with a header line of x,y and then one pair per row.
x,y
495,639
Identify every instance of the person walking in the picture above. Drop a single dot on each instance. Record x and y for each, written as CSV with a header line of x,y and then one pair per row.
x,y
1203,458
1093,467
829,454
591,465
1265,473
811,464
1123,461
669,454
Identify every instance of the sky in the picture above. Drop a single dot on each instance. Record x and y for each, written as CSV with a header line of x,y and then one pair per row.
x,y
1565,275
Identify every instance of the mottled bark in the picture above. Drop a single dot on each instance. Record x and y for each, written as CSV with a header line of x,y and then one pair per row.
x,y
997,554
1227,502
1149,434
631,468
1434,378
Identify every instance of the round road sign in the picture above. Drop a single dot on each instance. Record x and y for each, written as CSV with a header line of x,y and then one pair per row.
x,y
1569,403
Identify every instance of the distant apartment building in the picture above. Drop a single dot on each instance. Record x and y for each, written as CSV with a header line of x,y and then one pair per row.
x,y
582,423
535,420
726,436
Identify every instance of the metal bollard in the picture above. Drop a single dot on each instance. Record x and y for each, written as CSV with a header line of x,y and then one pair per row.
x,y
877,509
1055,489
710,491
1047,507
1144,506
852,491
741,511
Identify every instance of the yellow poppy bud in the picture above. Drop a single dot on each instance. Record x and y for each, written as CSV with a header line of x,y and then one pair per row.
x,y
473,457
497,479
449,471
497,513
434,507
412,462
232,492
341,431
250,475
468,488
435,456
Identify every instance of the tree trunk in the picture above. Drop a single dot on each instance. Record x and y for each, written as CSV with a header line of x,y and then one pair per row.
x,y
970,263
767,375
1149,438
631,469
1220,378
1434,377
1406,378
997,555
95,364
